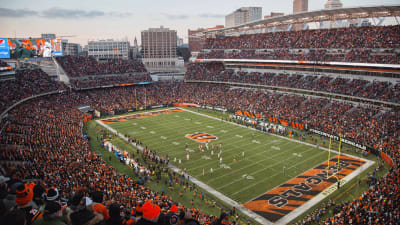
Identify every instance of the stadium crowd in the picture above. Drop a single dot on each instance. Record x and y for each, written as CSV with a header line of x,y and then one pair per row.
x,y
114,80
340,38
45,135
26,83
377,44
312,55
379,90
76,66
42,141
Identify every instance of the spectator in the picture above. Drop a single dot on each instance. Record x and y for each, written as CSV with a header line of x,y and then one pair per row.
x,y
97,197
151,214
23,198
15,216
52,215
115,216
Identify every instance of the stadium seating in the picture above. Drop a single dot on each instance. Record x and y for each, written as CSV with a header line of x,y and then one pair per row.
x,y
76,66
41,139
26,84
86,72
52,123
354,44
110,80
378,90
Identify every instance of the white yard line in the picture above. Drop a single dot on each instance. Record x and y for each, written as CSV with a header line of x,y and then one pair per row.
x,y
272,165
204,186
310,203
289,217
252,165
279,136
276,174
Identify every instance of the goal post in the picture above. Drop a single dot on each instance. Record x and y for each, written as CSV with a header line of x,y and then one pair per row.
x,y
329,157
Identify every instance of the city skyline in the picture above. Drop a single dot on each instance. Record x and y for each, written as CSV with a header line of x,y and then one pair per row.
x,y
124,19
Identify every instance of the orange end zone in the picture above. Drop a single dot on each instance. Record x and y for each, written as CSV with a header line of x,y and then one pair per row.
x,y
280,201
140,115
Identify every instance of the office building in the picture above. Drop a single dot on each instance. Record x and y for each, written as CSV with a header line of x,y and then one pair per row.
x,y
333,4
274,14
300,6
159,47
108,49
71,49
196,38
243,15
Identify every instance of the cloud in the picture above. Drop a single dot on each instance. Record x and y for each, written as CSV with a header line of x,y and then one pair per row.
x,y
120,14
4,12
70,13
61,13
211,15
176,17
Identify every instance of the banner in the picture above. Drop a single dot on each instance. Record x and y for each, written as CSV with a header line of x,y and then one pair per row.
x,y
4,49
271,119
387,159
286,123
28,48
248,114
337,138
185,104
57,47
130,84
217,108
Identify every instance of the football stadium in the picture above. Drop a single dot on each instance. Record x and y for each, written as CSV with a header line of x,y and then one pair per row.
x,y
272,122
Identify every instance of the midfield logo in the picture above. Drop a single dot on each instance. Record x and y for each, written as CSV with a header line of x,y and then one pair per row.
x,y
201,137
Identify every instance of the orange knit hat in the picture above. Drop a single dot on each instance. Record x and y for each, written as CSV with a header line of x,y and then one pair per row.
x,y
24,194
174,208
150,211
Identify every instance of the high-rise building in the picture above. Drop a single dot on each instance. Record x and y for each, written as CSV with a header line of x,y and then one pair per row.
x,y
243,15
333,4
196,38
71,48
274,14
135,49
159,47
300,6
108,49
179,42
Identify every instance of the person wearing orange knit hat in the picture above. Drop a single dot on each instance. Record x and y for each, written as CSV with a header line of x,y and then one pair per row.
x,y
23,198
151,213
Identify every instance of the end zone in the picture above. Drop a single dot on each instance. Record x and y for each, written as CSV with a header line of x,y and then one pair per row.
x,y
289,200
140,115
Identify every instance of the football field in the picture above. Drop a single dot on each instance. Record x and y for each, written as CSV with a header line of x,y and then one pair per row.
x,y
250,162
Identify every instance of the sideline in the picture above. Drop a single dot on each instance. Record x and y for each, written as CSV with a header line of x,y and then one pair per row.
x,y
289,217
204,186
310,203
276,135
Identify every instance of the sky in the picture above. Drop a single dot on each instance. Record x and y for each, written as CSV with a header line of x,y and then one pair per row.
x,y
82,20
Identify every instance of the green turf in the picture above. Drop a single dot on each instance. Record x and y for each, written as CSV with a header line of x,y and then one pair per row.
x,y
260,170
206,205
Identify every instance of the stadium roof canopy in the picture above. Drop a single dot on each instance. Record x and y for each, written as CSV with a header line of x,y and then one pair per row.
x,y
318,16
